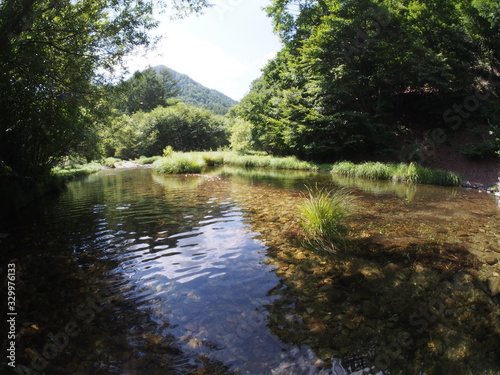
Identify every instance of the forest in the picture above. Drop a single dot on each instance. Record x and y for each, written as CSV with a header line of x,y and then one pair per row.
x,y
378,78
358,80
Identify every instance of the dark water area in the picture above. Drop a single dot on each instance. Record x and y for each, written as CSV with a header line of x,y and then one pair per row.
x,y
130,272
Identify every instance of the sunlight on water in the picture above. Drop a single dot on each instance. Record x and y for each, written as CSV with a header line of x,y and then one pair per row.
x,y
202,275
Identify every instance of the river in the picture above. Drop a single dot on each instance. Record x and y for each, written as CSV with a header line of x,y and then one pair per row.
x,y
129,272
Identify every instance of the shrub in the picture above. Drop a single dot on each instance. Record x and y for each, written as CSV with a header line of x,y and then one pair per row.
x,y
168,151
110,162
323,219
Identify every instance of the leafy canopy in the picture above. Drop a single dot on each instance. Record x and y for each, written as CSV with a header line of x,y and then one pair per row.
x,y
54,58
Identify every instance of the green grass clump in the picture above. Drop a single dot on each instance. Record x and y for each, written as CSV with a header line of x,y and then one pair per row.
x,y
218,158
179,163
267,161
147,160
323,219
213,159
76,170
110,162
411,173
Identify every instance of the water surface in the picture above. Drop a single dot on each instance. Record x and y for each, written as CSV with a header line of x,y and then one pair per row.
x,y
130,272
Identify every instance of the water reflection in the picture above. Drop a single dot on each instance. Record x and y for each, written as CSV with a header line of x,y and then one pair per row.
x,y
205,275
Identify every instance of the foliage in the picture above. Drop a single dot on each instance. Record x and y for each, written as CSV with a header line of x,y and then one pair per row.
x,y
193,93
217,158
183,127
168,151
147,160
355,75
256,161
110,162
145,91
55,58
323,219
412,173
76,170
179,163
241,135
266,161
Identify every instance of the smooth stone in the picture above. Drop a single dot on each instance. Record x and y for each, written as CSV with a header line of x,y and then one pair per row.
x,y
491,260
494,285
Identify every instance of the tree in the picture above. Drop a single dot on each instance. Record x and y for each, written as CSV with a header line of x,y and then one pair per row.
x,y
53,55
353,74
145,91
183,127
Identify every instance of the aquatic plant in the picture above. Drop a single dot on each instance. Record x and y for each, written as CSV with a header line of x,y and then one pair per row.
x,y
179,163
323,218
401,172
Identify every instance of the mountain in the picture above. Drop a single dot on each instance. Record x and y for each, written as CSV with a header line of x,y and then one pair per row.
x,y
198,95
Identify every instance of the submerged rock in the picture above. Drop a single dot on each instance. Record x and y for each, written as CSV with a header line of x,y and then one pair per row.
x,y
494,284
491,260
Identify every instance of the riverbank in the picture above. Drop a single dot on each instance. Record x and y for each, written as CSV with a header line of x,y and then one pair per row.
x,y
18,193
478,174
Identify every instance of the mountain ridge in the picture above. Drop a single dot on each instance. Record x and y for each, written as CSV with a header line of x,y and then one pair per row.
x,y
194,93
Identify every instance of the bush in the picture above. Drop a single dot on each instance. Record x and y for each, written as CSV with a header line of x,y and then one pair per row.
x,y
168,151
323,219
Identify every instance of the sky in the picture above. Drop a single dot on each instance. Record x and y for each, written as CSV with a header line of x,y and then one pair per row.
x,y
225,48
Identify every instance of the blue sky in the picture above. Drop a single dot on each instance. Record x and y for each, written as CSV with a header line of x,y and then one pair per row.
x,y
224,49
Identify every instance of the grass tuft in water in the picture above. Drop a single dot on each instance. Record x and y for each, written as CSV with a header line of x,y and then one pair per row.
x,y
401,172
179,163
323,218
257,161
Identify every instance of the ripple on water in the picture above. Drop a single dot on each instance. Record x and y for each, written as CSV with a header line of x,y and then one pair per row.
x,y
187,274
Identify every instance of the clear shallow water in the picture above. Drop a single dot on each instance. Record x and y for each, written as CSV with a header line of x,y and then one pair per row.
x,y
149,274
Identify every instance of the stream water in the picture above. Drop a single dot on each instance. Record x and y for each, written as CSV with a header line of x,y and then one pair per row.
x,y
129,272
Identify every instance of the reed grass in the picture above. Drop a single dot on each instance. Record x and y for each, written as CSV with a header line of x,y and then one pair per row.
x,y
411,173
323,218
179,163
257,161
218,158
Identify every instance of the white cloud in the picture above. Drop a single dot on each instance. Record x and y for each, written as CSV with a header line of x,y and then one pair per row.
x,y
224,49
204,62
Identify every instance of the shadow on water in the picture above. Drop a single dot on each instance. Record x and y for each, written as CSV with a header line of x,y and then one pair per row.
x,y
409,298
130,272
397,310
79,309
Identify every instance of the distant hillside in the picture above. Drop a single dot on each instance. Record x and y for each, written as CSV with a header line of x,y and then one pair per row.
x,y
198,95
